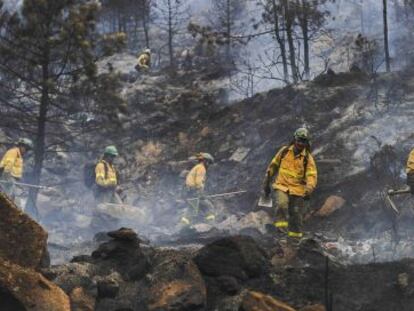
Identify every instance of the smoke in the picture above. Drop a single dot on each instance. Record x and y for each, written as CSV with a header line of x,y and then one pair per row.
x,y
333,46
13,5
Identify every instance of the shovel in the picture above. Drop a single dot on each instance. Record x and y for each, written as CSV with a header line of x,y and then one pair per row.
x,y
392,192
265,201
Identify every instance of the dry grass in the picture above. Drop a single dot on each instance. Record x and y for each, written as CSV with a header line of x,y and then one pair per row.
x,y
149,154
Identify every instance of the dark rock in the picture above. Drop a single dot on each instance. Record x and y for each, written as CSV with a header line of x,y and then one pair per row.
x,y
125,256
229,285
237,256
108,288
124,234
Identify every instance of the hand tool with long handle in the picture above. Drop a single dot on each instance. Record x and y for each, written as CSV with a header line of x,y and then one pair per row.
x,y
25,185
393,192
219,195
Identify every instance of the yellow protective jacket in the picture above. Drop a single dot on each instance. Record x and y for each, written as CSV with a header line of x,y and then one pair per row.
x,y
12,163
106,177
196,178
144,61
410,163
291,177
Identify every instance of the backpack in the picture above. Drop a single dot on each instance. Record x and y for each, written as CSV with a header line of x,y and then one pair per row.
x,y
305,159
89,176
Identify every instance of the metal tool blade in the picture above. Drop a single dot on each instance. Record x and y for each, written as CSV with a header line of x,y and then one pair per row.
x,y
265,201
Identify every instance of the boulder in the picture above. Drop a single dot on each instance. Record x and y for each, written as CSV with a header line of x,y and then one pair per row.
x,y
256,301
22,240
176,285
331,204
228,285
81,300
236,256
25,289
123,254
124,234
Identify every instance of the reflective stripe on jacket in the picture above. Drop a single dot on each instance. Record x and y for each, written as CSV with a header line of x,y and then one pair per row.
x,y
290,172
410,163
105,177
12,163
196,178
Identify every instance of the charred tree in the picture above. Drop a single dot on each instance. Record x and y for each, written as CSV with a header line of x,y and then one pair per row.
x,y
45,51
386,44
273,14
289,16
223,17
173,16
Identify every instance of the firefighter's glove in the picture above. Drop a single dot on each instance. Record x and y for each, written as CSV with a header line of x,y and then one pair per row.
x,y
308,191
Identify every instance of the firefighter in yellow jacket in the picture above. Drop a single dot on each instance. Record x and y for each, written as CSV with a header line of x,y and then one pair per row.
x,y
107,178
410,171
296,179
144,61
11,166
194,191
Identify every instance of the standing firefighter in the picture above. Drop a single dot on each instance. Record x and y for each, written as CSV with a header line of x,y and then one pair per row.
x,y
296,179
11,166
194,191
410,171
144,61
103,179
106,178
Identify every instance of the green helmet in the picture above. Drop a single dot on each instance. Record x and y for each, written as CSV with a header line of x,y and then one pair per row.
x,y
27,142
111,150
301,133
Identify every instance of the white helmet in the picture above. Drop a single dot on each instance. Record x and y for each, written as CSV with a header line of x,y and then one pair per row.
x,y
205,156
147,51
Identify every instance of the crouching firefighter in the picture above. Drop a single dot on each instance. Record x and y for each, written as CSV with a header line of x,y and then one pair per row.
x,y
144,61
11,166
296,179
198,205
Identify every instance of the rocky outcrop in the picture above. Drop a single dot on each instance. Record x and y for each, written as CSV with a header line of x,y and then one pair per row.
x,y
27,289
177,284
22,240
22,252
